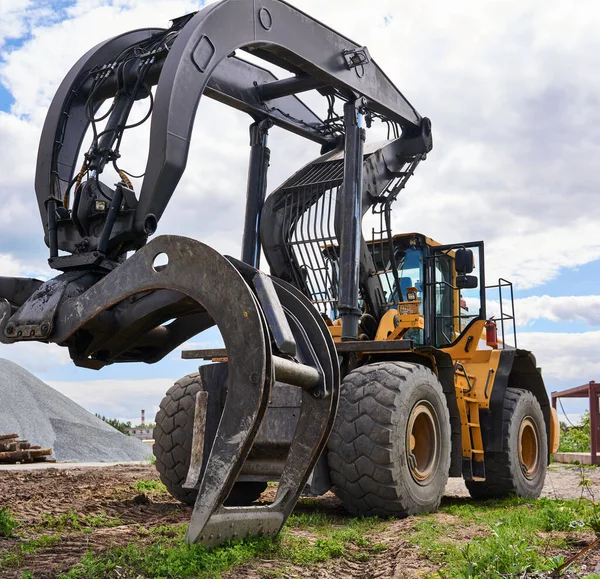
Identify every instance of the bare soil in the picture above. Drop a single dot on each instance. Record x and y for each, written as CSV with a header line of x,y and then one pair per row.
x,y
34,495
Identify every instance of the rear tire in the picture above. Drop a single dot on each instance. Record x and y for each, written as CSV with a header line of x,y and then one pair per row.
x,y
377,467
520,468
173,445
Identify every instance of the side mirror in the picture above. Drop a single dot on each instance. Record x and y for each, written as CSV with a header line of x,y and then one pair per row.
x,y
466,281
463,261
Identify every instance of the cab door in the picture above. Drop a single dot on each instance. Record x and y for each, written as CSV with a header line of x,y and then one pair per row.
x,y
450,309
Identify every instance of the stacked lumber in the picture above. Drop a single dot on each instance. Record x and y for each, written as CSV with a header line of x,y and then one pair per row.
x,y
13,450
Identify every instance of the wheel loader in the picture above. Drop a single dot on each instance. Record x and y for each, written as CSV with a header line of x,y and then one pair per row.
x,y
366,364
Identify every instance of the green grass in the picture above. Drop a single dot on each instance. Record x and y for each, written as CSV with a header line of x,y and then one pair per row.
x,y
168,556
7,523
576,438
515,537
149,486
574,465
17,556
473,540
74,521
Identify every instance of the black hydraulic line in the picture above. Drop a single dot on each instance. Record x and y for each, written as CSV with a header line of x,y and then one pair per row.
x,y
390,240
108,137
52,231
115,206
232,83
257,187
350,219
267,91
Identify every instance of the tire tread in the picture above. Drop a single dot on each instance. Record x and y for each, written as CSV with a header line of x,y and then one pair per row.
x,y
173,445
500,479
364,439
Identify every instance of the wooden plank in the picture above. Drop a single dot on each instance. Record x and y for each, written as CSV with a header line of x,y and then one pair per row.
x,y
7,436
204,354
40,452
10,445
24,455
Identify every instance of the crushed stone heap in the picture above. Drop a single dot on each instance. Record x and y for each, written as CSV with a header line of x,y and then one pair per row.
x,y
48,418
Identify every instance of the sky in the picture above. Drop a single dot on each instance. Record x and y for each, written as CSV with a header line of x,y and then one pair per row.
x,y
513,93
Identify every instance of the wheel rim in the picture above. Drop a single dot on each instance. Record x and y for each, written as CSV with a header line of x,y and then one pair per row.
x,y
529,454
422,442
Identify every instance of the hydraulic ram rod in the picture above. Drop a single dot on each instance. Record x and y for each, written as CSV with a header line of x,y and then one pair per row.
x,y
293,373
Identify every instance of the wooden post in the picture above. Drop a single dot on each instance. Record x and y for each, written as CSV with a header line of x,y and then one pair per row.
x,y
594,392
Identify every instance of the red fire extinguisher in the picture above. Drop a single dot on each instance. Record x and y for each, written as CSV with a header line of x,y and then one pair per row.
x,y
491,334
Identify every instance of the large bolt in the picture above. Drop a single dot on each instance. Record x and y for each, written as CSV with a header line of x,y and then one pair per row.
x,y
45,328
10,329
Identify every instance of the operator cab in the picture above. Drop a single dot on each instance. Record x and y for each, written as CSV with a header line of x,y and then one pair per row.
x,y
446,284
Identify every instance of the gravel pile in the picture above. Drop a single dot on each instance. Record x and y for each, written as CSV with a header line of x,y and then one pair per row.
x,y
37,412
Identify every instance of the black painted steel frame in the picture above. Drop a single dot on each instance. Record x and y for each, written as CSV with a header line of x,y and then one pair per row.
x,y
107,307
195,57
199,61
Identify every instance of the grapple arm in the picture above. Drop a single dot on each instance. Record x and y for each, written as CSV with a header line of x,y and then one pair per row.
x,y
193,57
109,306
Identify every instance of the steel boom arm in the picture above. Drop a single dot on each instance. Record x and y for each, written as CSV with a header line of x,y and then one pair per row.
x,y
200,61
277,32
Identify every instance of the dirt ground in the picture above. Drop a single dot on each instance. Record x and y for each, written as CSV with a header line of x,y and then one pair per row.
x,y
34,495
562,482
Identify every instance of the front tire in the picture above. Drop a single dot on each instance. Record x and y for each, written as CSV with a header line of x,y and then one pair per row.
x,y
173,445
520,468
389,452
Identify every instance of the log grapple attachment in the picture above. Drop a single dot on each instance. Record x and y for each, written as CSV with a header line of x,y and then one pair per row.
x,y
120,297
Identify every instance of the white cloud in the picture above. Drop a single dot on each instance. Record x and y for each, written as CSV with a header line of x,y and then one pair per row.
x,y
12,18
555,309
560,309
516,133
117,398
9,266
36,357
572,358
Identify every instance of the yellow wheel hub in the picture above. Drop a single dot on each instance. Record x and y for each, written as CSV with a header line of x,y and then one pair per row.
x,y
422,442
529,449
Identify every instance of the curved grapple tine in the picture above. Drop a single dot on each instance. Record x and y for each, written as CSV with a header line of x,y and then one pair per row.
x,y
315,348
245,407
198,271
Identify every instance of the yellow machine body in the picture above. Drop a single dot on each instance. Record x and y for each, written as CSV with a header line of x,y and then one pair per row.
x,y
476,362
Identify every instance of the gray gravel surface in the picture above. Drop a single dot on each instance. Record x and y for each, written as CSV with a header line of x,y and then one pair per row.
x,y
40,414
562,482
